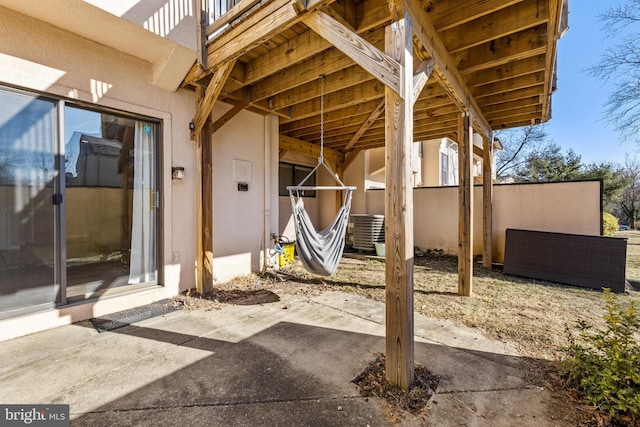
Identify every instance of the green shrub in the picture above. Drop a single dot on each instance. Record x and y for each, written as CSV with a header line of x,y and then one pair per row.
x,y
604,365
609,224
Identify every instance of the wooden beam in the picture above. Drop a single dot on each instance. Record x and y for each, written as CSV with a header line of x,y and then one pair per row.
x,y
385,69
465,205
399,211
553,24
396,9
347,97
504,22
309,149
449,14
274,17
203,111
229,115
512,70
511,96
501,51
522,82
335,82
294,51
372,14
304,48
351,116
487,202
194,75
421,76
282,153
291,76
454,84
366,125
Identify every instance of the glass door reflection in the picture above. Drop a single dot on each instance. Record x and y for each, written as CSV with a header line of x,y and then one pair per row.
x,y
110,202
27,210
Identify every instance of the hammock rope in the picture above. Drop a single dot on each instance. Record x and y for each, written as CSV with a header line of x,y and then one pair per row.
x,y
320,251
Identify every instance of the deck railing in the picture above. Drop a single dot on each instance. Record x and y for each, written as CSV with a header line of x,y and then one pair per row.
x,y
222,13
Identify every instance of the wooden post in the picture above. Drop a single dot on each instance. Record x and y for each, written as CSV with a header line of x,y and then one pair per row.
x,y
399,210
465,205
199,233
204,205
202,16
487,202
207,206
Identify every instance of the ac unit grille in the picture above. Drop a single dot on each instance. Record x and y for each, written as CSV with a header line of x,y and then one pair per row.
x,y
367,230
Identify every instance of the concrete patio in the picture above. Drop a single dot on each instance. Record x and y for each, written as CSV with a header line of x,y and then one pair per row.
x,y
284,363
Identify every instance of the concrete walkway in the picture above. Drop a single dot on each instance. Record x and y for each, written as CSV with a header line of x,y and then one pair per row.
x,y
287,363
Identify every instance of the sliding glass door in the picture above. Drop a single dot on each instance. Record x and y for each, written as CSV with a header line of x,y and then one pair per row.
x,y
27,221
111,194
79,202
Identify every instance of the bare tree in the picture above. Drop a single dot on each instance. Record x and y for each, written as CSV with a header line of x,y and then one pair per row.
x,y
621,64
7,165
630,200
518,145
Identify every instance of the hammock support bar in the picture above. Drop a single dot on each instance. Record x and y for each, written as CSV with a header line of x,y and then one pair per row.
x,y
313,188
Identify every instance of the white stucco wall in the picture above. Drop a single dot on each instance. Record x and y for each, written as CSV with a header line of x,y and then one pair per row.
x,y
38,56
566,207
243,149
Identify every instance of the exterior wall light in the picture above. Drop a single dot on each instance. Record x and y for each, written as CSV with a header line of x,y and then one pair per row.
x,y
177,173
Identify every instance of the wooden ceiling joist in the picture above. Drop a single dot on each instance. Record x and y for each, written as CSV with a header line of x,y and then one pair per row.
x,y
428,36
309,149
421,76
326,62
501,23
365,126
273,17
530,42
494,58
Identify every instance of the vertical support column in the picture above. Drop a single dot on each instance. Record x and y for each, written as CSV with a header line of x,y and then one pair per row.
x,y
199,233
204,204
202,18
487,201
207,205
399,210
465,205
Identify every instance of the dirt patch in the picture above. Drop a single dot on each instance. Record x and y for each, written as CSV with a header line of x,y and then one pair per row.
x,y
372,382
192,300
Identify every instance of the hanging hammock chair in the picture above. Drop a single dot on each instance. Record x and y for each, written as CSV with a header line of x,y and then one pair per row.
x,y
320,251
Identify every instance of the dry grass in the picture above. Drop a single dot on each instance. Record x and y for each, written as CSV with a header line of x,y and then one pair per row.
x,y
633,252
529,314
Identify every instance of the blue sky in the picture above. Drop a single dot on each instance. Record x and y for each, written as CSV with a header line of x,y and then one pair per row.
x,y
578,120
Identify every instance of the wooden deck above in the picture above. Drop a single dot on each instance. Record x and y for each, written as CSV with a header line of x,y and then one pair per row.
x,y
494,57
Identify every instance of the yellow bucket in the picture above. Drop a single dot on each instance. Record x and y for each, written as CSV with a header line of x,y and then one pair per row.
x,y
286,257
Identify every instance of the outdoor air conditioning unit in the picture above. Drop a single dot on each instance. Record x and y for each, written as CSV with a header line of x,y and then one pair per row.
x,y
367,231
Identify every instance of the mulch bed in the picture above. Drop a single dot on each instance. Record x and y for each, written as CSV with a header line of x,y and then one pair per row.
x,y
372,382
